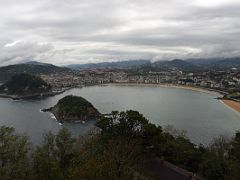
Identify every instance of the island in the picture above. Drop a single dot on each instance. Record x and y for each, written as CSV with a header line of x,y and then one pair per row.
x,y
74,109
25,86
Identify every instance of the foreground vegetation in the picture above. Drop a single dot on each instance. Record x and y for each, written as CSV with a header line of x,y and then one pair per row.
x,y
114,150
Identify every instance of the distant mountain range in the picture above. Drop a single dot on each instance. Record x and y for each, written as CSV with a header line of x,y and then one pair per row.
x,y
103,65
147,65
192,64
216,62
38,63
32,67
174,64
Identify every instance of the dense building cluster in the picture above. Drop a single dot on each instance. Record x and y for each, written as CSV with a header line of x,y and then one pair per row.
x,y
222,80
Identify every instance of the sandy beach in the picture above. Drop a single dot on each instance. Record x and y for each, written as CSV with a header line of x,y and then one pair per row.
x,y
233,104
198,89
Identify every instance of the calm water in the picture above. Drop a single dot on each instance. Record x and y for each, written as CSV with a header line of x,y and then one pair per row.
x,y
199,114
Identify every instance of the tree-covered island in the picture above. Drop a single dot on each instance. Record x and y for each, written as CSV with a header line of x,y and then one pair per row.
x,y
74,109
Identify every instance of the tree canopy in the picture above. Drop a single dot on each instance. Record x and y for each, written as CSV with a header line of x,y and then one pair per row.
x,y
72,108
116,150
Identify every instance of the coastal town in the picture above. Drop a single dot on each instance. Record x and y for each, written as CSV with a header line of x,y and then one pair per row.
x,y
224,81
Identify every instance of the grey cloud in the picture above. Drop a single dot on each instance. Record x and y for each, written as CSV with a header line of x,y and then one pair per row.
x,y
16,52
81,31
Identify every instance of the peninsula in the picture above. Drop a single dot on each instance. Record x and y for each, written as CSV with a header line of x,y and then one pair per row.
x,y
25,86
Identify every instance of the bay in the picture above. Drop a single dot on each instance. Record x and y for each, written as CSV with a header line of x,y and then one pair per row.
x,y
199,114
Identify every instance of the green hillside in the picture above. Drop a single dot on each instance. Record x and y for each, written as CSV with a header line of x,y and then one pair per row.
x,y
25,84
7,72
74,108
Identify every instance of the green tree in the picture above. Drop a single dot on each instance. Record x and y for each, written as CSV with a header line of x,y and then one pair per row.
x,y
45,164
235,157
14,151
215,164
235,151
64,151
54,158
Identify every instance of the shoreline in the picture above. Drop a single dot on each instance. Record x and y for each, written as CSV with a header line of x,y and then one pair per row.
x,y
229,103
192,88
54,115
32,96
234,105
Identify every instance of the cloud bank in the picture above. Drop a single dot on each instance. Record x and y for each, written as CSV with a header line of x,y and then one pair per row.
x,y
81,31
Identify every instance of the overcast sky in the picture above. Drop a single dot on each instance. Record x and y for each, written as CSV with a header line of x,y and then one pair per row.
x,y
82,31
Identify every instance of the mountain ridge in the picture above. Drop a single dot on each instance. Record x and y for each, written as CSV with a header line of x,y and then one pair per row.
x,y
101,65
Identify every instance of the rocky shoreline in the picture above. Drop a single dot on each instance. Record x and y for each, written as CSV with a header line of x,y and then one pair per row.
x,y
61,121
73,109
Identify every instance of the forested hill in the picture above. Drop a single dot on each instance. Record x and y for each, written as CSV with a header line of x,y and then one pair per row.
x,y
74,108
191,64
7,72
25,84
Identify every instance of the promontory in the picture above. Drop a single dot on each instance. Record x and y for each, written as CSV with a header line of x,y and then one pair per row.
x,y
25,86
74,109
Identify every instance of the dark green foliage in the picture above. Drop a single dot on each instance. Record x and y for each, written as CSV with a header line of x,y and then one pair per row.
x,y
214,167
235,157
7,72
235,151
45,164
64,152
53,159
113,159
180,151
116,152
74,107
129,124
68,102
132,125
13,154
213,162
25,84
